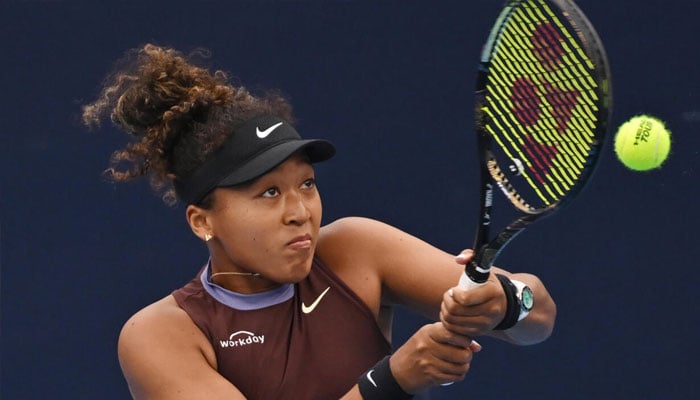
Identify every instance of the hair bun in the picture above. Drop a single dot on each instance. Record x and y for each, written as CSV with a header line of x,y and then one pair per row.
x,y
179,112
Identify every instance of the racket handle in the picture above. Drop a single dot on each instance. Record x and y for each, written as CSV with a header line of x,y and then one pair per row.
x,y
474,275
466,282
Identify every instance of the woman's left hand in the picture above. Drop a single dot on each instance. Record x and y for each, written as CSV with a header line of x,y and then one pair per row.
x,y
474,311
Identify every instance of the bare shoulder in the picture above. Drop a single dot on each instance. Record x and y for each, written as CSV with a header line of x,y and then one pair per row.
x,y
164,355
357,244
374,242
357,232
161,322
349,225
346,247
402,268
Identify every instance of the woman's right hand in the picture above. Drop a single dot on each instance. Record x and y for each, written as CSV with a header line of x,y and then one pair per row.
x,y
432,356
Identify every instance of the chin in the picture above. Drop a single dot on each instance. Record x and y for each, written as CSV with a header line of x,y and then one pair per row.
x,y
299,271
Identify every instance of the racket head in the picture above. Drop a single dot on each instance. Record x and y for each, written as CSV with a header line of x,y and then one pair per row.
x,y
543,103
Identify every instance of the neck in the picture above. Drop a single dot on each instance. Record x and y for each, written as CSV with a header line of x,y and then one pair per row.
x,y
235,273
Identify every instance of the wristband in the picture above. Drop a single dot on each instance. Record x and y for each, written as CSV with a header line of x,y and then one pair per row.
x,y
378,383
512,304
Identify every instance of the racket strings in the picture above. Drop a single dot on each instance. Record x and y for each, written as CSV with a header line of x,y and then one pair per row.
x,y
541,100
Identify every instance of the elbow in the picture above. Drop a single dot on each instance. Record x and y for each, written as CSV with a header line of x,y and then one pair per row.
x,y
547,322
541,326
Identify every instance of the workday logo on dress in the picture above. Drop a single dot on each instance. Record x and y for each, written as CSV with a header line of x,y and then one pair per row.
x,y
242,338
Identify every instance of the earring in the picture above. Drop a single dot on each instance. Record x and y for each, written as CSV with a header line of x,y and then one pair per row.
x,y
207,237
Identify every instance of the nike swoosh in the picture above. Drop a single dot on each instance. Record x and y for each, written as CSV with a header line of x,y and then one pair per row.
x,y
266,132
369,378
313,305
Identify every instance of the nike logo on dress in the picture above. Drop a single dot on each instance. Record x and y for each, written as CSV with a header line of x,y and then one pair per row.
x,y
313,305
266,132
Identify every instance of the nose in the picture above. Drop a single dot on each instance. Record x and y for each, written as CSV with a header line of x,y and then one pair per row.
x,y
296,210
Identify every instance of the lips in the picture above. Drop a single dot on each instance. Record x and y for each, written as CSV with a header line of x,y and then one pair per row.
x,y
300,242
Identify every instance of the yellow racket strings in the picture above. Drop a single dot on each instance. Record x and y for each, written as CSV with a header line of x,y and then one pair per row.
x,y
541,99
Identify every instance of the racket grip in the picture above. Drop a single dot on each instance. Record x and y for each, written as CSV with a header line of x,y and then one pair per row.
x,y
474,275
466,282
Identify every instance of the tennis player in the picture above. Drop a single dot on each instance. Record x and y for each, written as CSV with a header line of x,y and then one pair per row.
x,y
282,307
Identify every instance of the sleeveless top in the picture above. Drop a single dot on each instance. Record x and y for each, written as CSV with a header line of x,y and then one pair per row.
x,y
309,340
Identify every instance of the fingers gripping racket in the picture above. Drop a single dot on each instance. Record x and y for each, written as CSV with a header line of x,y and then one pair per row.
x,y
543,99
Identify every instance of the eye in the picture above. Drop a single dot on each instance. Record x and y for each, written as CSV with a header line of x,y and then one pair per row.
x,y
309,184
271,192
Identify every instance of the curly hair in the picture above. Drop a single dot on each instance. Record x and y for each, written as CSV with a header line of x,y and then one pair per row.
x,y
177,112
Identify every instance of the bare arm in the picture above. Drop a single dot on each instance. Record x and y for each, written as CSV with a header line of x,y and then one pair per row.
x,y
164,355
386,266
539,323
465,311
413,273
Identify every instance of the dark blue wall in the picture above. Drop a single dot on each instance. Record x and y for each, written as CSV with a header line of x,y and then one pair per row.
x,y
390,83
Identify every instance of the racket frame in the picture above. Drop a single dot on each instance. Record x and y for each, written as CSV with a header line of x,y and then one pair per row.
x,y
491,177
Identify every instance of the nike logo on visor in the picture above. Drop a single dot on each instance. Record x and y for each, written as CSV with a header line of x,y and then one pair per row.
x,y
266,132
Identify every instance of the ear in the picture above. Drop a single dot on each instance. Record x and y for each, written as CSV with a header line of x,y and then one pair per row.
x,y
200,221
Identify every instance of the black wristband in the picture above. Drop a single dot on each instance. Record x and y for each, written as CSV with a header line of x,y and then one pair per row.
x,y
379,384
512,304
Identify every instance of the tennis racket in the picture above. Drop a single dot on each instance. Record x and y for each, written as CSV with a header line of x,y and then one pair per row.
x,y
543,99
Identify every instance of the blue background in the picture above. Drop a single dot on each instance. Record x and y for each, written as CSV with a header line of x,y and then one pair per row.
x,y
390,82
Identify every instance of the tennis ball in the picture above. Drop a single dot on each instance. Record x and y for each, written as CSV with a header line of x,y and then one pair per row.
x,y
642,143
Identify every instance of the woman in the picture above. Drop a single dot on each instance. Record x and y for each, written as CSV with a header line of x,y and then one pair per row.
x,y
284,308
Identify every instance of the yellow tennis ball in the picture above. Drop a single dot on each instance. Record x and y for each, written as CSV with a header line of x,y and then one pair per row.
x,y
642,143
